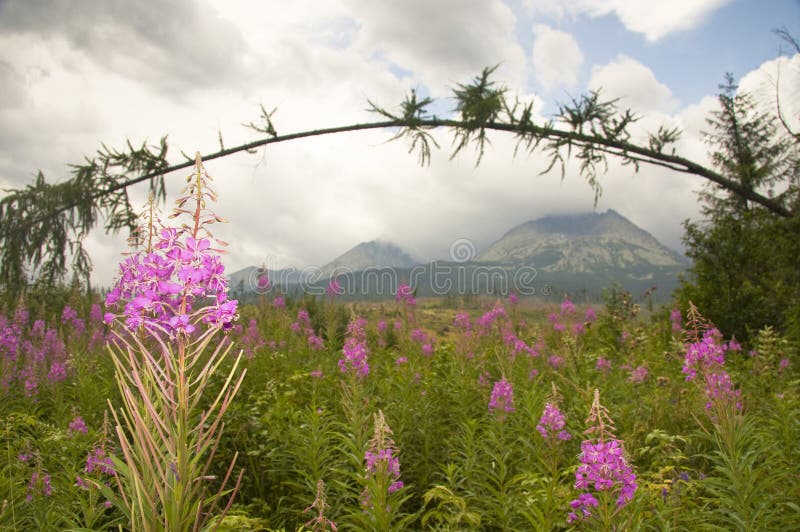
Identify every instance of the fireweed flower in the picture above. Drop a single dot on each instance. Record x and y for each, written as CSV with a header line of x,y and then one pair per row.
x,y
462,321
159,289
252,340
703,355
591,315
638,375
487,320
676,320
334,288
319,506
502,398
39,484
263,283
706,358
97,460
603,468
567,307
719,390
381,457
551,424
419,336
516,344
68,314
603,365
177,282
405,295
355,349
77,425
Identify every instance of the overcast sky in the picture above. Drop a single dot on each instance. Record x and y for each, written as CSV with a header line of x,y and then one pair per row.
x,y
75,74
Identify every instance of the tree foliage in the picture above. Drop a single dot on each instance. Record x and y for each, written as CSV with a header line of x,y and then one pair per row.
x,y
746,272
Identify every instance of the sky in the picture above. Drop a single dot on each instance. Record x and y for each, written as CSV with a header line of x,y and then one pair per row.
x,y
74,75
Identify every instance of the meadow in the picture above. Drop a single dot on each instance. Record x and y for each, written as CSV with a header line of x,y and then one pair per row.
x,y
370,418
168,406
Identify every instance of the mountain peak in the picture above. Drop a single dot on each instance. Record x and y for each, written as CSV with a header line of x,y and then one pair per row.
x,y
580,243
372,254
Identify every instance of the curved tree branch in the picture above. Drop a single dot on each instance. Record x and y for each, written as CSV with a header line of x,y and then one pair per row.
x,y
39,223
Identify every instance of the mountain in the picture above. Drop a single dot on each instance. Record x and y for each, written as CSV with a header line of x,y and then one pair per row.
x,y
369,255
580,255
582,244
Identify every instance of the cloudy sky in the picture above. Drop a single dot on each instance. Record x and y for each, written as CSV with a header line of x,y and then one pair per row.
x,y
75,74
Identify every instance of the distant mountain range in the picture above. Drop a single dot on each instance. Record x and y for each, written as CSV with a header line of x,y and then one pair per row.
x,y
578,254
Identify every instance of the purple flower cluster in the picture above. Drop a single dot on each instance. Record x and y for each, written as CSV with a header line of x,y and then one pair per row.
x,y
383,461
638,375
557,325
334,288
517,344
707,359
263,283
719,390
551,424
355,349
77,425
703,355
603,468
97,460
502,398
462,321
31,356
419,336
676,320
251,340
39,483
405,295
159,289
303,323
567,307
488,319
603,365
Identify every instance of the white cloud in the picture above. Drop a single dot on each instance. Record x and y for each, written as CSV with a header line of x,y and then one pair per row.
x,y
441,43
774,82
633,83
557,58
654,20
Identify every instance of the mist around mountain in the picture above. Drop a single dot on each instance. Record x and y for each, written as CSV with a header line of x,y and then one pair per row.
x,y
578,255
366,255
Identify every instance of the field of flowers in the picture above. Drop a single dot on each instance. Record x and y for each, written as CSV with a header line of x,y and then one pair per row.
x,y
168,406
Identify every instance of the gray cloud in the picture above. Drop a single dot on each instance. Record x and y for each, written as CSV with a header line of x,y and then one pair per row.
x,y
444,42
174,45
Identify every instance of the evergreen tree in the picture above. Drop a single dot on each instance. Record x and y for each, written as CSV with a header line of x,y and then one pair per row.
x,y
746,271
